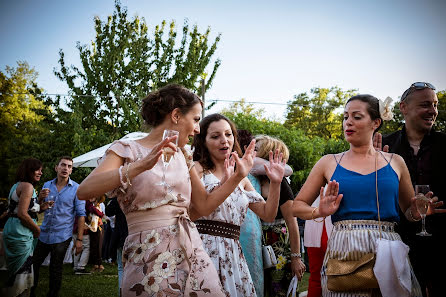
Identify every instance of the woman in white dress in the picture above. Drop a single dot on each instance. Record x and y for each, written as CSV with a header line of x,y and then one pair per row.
x,y
220,230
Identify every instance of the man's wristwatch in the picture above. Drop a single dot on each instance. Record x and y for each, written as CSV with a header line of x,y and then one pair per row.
x,y
79,239
296,255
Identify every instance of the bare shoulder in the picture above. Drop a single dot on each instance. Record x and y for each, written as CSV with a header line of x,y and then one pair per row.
x,y
327,165
328,160
398,164
24,188
395,158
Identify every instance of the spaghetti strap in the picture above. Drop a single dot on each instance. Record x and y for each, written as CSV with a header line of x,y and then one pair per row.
x,y
391,156
334,156
388,161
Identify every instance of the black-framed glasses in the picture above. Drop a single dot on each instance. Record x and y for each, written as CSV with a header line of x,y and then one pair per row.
x,y
416,86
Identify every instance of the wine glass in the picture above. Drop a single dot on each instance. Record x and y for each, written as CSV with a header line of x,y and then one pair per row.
x,y
167,155
422,203
51,200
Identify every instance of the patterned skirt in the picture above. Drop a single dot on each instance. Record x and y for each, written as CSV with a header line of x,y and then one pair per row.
x,y
353,238
277,279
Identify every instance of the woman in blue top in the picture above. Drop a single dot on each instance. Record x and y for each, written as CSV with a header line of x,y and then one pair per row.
x,y
350,197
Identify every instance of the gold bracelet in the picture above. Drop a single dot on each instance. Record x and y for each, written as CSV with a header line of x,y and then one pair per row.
x,y
127,175
313,218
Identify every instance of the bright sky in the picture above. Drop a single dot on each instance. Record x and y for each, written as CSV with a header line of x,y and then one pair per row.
x,y
270,50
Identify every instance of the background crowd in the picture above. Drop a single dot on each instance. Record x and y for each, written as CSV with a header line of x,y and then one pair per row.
x,y
198,224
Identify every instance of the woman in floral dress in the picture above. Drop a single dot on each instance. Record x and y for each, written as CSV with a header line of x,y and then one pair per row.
x,y
163,254
220,230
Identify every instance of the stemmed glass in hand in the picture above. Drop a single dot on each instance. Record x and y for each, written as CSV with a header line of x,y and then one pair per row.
x,y
167,155
422,203
51,200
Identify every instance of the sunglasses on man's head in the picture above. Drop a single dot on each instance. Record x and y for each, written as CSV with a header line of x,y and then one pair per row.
x,y
416,86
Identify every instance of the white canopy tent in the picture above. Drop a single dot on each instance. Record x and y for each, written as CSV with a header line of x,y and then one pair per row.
x,y
91,158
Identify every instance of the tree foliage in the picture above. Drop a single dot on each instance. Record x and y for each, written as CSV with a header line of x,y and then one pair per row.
x,y
316,113
440,123
125,62
18,104
305,151
21,112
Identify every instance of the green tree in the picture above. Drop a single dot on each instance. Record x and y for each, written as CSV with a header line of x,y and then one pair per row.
x,y
18,104
124,63
316,113
21,112
305,151
440,123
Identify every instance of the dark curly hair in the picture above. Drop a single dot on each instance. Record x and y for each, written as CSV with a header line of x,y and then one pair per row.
x,y
157,105
201,153
25,172
372,106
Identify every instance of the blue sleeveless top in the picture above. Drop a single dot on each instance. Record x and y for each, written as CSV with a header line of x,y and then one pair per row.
x,y
359,200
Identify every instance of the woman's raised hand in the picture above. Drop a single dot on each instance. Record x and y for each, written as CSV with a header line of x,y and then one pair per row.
x,y
244,164
276,167
229,168
330,201
152,158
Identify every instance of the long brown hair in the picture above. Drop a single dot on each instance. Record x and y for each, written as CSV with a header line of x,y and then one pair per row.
x,y
201,153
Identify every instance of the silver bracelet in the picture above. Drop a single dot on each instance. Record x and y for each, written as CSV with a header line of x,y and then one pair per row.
x,y
296,255
127,175
409,216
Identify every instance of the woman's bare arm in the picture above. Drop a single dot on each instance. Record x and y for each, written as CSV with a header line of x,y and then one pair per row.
x,y
297,266
105,177
205,203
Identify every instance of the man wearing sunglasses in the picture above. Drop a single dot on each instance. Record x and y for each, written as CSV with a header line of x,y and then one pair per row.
x,y
424,151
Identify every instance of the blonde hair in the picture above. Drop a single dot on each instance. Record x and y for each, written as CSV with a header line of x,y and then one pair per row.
x,y
265,144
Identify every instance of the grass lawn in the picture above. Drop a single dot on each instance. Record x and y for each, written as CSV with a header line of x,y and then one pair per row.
x,y
104,284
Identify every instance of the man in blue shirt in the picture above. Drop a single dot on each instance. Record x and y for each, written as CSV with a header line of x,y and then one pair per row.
x,y
57,226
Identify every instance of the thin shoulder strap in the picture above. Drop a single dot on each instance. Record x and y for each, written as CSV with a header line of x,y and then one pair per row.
x,y
391,156
388,161
338,162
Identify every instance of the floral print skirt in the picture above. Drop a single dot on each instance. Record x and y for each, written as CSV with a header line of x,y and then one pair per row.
x,y
157,263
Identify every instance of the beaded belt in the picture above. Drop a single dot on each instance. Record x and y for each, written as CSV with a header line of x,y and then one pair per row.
x,y
363,224
217,228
